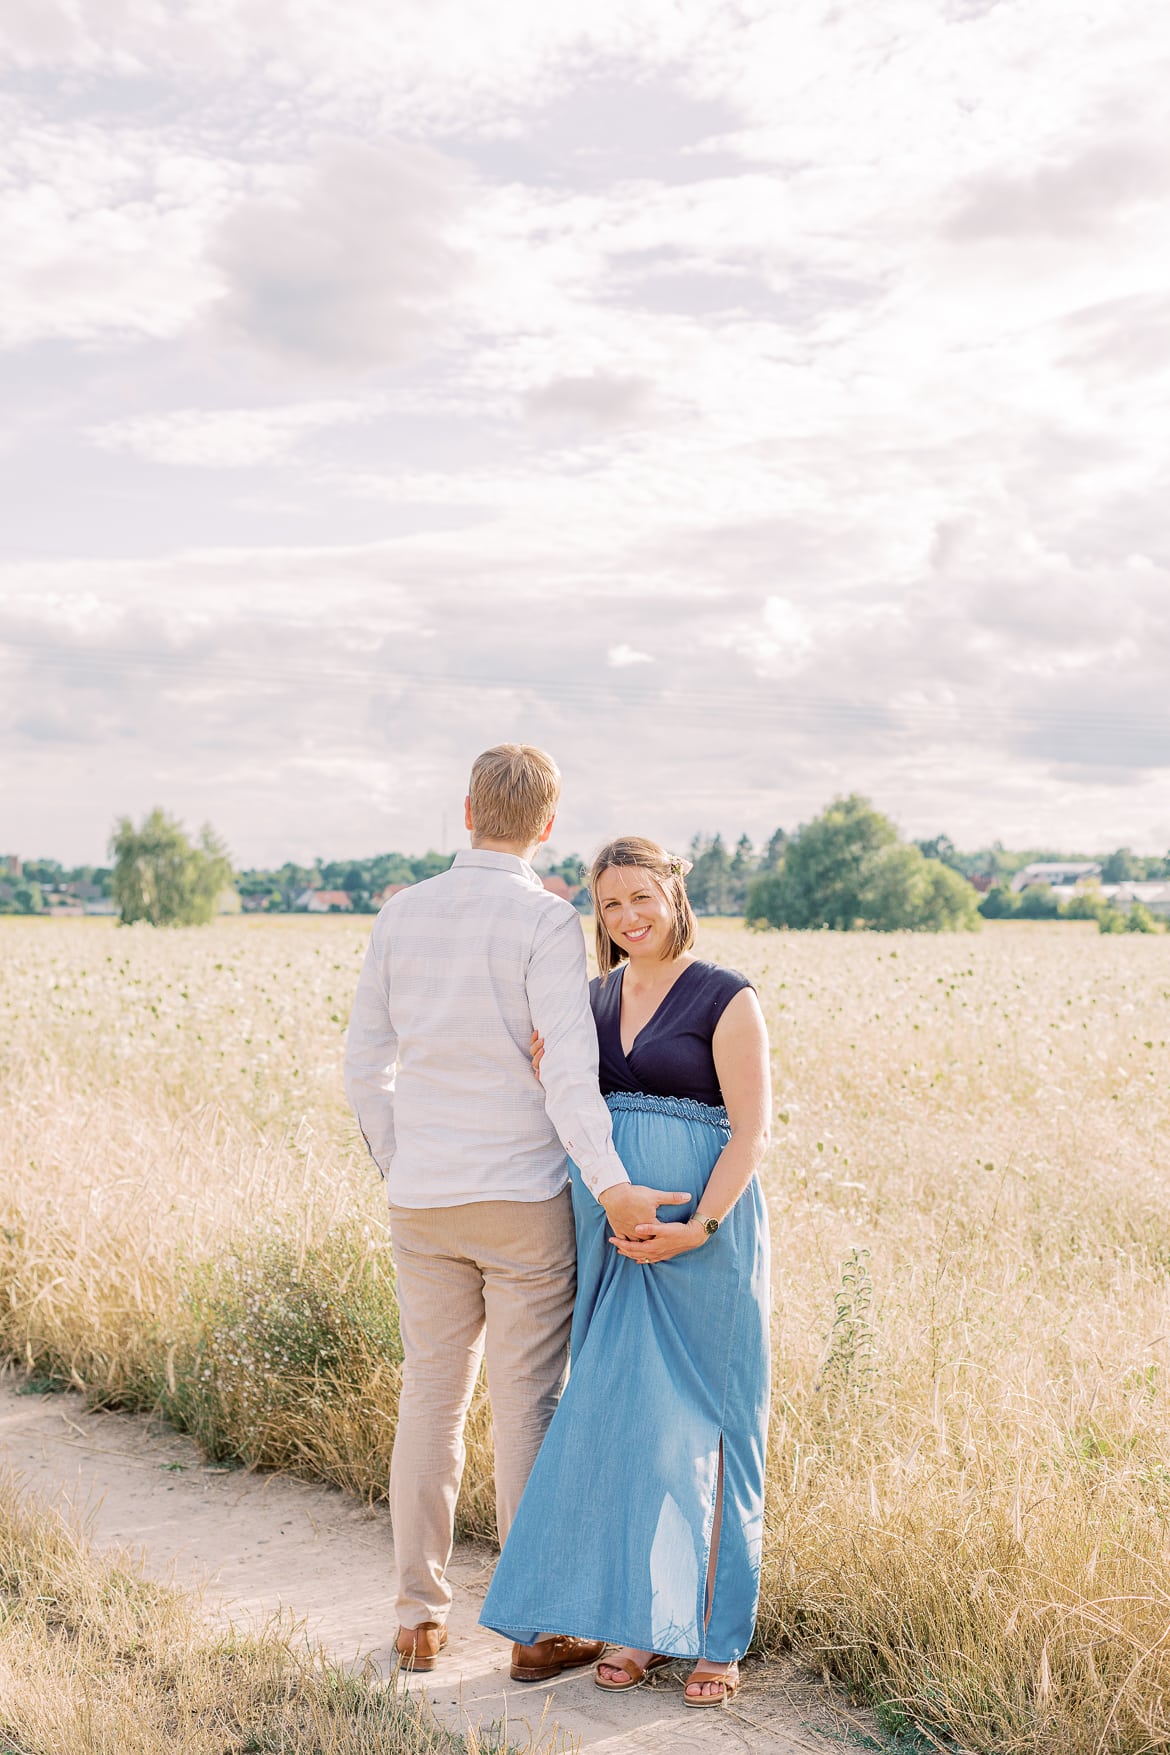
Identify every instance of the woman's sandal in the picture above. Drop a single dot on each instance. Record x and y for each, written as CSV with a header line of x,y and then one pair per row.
x,y
728,1682
635,1672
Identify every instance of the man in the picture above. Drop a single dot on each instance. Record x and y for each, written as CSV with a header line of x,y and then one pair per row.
x,y
460,970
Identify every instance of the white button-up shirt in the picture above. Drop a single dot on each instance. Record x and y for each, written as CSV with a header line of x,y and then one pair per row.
x,y
459,972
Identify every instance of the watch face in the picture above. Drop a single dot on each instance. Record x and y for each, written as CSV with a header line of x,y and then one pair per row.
x,y
710,1226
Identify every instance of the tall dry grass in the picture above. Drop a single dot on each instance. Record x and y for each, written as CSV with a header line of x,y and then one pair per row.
x,y
970,1462
97,1660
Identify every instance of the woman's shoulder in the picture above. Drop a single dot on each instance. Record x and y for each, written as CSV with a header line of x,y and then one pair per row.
x,y
713,989
717,978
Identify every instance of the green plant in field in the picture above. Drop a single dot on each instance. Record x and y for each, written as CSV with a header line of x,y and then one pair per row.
x,y
42,1386
849,1363
280,1334
1139,919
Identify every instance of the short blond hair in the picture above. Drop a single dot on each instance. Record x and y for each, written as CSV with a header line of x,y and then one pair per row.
x,y
666,869
514,790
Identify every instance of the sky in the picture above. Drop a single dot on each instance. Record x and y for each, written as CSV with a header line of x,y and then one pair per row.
x,y
747,403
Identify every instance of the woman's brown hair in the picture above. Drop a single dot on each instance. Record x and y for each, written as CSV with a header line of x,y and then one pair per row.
x,y
667,871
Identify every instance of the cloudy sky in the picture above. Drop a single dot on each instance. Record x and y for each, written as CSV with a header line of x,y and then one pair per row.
x,y
749,402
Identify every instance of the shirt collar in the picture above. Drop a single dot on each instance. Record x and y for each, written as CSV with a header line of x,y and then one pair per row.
x,y
485,856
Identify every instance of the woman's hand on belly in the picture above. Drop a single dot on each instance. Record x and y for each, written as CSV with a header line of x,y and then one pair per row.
x,y
656,1243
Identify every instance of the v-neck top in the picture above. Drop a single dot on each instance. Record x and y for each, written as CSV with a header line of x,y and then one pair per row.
x,y
671,1054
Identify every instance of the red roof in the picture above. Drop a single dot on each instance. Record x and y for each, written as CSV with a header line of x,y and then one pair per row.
x,y
390,890
559,887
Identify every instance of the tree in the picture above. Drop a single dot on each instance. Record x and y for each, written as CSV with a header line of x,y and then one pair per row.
x,y
1139,919
1121,867
999,904
1037,902
743,864
709,882
772,857
764,905
848,869
942,848
1087,904
827,866
907,892
160,877
48,872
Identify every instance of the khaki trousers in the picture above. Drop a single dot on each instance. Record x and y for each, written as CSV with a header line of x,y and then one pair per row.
x,y
496,1272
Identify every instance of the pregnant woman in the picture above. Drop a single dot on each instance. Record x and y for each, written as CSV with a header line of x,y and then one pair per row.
x,y
641,1522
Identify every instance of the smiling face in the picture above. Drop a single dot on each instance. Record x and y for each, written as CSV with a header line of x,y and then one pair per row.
x,y
635,913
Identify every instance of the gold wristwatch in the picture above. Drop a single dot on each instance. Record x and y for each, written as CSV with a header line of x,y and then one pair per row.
x,y
709,1225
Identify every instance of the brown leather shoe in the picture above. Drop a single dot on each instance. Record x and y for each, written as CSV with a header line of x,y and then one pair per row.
x,y
548,1657
418,1647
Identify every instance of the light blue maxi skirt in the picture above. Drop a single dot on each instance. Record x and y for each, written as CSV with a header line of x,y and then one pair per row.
x,y
612,1537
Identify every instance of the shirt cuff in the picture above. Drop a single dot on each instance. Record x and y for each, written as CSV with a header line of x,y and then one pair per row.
x,y
609,1173
374,1159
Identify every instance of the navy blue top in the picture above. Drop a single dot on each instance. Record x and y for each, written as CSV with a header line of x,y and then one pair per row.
x,y
671,1054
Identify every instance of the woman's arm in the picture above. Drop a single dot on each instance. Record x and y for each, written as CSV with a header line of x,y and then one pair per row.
x,y
740,1047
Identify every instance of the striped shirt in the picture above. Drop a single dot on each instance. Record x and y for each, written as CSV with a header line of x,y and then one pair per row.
x,y
459,971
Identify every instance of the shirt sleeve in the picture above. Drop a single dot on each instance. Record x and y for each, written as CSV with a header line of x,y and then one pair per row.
x,y
371,1054
724,988
558,998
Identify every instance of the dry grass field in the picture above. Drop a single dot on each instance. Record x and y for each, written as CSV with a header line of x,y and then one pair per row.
x,y
97,1660
970,1195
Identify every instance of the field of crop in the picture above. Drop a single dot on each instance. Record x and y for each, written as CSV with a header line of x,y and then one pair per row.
x,y
969,1502
96,1658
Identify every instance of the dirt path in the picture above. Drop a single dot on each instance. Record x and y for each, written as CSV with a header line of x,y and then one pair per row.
x,y
258,1544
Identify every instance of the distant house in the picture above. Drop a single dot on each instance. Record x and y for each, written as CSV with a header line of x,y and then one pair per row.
x,y
100,905
385,895
10,865
1154,896
576,894
327,902
1060,874
59,904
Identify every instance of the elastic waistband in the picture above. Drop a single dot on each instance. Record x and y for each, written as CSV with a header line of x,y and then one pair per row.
x,y
685,1108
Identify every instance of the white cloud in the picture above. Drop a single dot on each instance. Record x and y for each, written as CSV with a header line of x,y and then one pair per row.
x,y
226,438
349,267
104,235
784,381
596,401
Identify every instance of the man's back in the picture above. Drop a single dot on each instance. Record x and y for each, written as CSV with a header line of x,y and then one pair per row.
x,y
459,971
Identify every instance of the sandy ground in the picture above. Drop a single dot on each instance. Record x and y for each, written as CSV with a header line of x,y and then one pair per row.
x,y
258,1544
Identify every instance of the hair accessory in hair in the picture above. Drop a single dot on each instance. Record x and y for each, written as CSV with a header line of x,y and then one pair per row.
x,y
679,866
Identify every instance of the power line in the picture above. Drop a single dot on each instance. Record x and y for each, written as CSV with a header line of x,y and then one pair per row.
x,y
186,666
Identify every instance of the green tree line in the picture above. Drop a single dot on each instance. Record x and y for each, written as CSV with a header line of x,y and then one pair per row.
x,y
845,869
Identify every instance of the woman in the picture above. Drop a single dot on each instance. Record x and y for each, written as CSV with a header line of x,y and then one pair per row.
x,y
641,1523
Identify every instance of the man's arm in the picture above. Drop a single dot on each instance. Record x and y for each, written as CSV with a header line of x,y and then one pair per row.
x,y
371,1055
558,998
